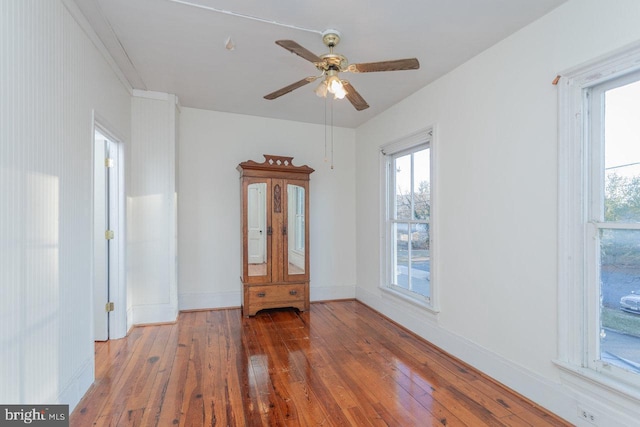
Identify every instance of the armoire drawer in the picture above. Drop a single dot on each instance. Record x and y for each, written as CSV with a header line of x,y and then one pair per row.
x,y
273,293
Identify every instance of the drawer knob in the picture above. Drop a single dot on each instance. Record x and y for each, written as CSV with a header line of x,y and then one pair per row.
x,y
293,292
262,294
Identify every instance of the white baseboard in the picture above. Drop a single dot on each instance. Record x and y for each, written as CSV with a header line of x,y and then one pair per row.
x,y
78,386
129,319
204,300
157,313
328,293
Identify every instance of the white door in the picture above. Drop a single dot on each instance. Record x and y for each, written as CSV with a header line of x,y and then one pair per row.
x,y
101,244
256,223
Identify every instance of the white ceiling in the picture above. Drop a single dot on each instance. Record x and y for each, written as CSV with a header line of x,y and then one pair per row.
x,y
178,47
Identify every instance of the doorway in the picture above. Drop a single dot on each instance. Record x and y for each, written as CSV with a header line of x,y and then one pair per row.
x,y
109,315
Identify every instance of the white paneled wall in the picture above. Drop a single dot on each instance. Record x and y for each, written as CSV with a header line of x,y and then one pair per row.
x,y
152,211
29,186
52,77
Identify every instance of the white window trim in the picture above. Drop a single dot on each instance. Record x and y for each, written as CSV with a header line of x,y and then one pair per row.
x,y
426,136
573,222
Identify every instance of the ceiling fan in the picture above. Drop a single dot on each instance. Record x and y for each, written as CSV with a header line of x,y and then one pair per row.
x,y
331,64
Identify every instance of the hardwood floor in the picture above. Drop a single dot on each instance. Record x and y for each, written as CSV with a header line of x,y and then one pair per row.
x,y
340,363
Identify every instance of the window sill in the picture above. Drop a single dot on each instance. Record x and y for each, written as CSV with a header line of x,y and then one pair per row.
x,y
420,303
582,378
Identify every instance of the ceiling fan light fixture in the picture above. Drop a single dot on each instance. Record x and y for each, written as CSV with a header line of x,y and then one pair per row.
x,y
334,84
339,92
331,84
321,90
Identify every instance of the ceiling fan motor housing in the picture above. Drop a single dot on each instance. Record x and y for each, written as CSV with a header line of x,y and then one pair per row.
x,y
332,61
331,38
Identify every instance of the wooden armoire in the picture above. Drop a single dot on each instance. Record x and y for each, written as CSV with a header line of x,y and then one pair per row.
x,y
275,234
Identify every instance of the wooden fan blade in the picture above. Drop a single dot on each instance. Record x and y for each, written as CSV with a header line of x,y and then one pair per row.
x,y
278,93
397,65
294,47
354,97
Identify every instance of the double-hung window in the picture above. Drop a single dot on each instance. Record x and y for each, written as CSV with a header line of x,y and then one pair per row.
x,y
599,195
407,170
613,231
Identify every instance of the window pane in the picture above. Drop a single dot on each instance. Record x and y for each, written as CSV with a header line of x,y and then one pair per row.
x,y
403,187
421,185
620,291
408,225
401,257
420,265
622,154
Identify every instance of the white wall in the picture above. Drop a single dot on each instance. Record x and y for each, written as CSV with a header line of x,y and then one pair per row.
x,y
151,236
496,139
212,144
52,77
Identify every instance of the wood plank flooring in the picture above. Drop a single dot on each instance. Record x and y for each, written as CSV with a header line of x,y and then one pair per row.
x,y
339,364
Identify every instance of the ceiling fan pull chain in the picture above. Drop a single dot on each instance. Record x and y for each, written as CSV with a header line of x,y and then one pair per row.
x,y
331,134
325,131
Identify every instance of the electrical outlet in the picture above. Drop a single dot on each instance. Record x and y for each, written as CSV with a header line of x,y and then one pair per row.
x,y
587,415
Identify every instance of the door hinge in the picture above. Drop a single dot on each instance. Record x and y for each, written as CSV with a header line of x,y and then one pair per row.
x,y
108,162
109,307
109,235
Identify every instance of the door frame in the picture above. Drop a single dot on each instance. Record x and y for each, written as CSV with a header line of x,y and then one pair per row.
x,y
117,319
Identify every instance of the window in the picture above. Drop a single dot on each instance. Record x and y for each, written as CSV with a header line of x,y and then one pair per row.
x,y
614,222
407,169
599,191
